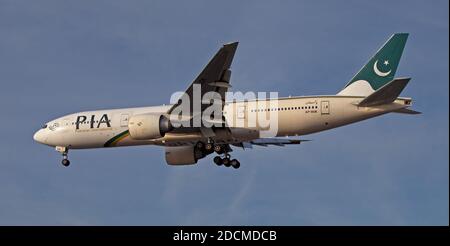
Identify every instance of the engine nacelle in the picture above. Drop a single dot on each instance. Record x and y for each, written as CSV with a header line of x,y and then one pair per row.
x,y
183,155
148,126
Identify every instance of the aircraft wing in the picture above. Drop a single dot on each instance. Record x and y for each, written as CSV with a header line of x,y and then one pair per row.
x,y
215,77
270,141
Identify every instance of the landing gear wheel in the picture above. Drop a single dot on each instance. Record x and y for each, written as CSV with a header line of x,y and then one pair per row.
x,y
209,146
226,161
65,162
218,161
199,145
235,163
217,148
64,152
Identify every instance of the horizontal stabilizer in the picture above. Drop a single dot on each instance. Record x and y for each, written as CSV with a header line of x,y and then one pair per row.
x,y
386,94
406,111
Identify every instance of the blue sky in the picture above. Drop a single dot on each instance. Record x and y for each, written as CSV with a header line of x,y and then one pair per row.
x,y
59,57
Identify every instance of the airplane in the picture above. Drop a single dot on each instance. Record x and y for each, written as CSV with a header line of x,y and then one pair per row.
x,y
196,131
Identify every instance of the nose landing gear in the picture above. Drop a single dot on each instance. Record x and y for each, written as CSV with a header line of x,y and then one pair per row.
x,y
64,151
65,161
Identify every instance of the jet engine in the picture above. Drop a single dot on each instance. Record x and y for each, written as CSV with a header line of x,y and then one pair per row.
x,y
148,126
183,155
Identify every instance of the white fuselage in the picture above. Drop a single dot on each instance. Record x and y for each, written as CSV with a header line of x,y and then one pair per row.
x,y
296,116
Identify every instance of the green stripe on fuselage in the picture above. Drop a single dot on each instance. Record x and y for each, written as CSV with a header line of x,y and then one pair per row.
x,y
114,140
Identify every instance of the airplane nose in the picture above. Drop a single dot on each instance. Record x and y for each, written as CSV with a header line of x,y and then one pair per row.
x,y
39,137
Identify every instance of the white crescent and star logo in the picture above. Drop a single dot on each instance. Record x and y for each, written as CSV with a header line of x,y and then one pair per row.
x,y
378,72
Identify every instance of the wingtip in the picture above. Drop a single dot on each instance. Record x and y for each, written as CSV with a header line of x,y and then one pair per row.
x,y
231,44
299,141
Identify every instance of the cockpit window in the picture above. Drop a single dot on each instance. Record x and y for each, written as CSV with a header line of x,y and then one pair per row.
x,y
53,126
44,126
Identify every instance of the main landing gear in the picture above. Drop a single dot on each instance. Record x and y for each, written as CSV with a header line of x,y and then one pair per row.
x,y
222,150
226,161
64,151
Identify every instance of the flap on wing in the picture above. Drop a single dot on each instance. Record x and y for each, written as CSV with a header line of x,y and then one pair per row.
x,y
220,84
271,141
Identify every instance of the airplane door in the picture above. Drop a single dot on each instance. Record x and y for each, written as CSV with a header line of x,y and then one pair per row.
x,y
124,120
325,107
241,112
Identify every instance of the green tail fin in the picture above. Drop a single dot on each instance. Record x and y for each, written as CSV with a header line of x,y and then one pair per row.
x,y
381,68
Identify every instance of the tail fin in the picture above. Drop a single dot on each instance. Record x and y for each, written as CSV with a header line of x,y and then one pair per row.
x,y
379,70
